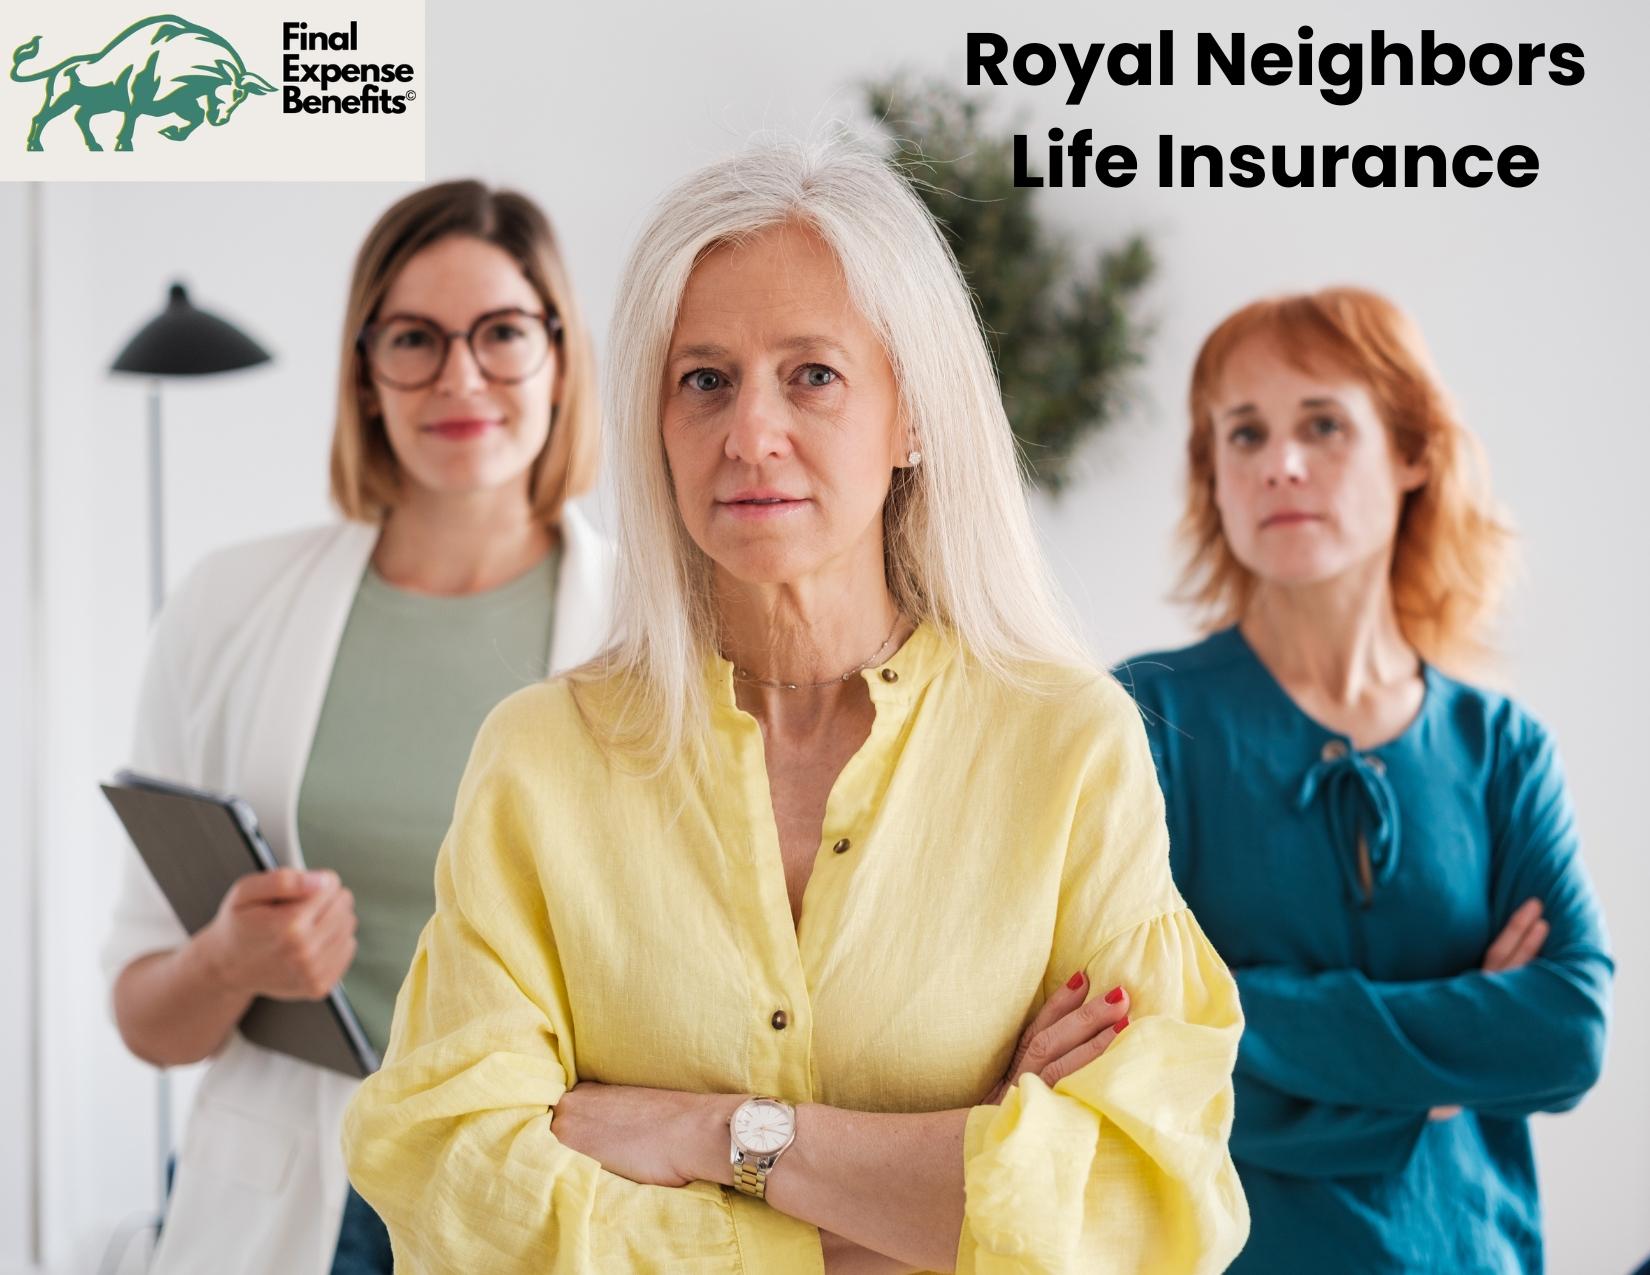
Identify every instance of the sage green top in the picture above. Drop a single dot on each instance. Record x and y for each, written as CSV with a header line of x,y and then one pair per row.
x,y
414,676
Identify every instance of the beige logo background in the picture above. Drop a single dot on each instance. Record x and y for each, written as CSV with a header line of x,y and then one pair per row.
x,y
260,142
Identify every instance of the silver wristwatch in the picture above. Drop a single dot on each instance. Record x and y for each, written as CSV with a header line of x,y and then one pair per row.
x,y
758,1132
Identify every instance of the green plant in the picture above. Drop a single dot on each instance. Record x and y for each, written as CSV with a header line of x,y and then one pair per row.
x,y
1061,319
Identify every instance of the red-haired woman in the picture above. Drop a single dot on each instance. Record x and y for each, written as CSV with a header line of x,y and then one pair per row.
x,y
1384,854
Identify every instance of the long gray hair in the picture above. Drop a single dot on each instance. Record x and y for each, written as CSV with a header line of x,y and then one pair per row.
x,y
960,548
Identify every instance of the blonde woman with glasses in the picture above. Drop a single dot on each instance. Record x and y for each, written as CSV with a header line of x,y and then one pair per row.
x,y
335,678
825,921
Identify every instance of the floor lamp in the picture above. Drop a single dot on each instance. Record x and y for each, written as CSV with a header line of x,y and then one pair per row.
x,y
179,341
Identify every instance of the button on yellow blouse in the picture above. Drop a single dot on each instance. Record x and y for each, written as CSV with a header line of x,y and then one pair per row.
x,y
593,924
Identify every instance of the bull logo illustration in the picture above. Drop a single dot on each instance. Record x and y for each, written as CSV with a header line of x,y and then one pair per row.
x,y
160,66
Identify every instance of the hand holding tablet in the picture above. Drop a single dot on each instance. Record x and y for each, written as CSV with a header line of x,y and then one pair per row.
x,y
288,934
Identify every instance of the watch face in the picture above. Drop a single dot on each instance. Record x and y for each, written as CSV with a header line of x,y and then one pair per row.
x,y
762,1127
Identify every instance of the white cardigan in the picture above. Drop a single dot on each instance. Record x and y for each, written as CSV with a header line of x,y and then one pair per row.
x,y
237,669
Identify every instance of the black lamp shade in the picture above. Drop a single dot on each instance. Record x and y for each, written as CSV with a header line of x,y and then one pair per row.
x,y
184,341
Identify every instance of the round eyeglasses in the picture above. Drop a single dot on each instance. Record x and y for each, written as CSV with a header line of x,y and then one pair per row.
x,y
408,351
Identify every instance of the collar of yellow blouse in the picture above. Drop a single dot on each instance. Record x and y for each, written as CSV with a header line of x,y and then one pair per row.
x,y
899,677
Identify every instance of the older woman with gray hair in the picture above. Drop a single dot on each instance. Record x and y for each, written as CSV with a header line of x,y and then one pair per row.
x,y
825,921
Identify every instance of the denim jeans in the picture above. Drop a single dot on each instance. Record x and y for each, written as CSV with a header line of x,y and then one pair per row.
x,y
363,1242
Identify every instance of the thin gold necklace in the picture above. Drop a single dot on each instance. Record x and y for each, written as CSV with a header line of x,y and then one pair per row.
x,y
744,675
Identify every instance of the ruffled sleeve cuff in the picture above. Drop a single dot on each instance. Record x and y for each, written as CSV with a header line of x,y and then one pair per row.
x,y
1123,1165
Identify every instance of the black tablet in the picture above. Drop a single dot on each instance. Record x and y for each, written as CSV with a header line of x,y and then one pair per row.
x,y
198,844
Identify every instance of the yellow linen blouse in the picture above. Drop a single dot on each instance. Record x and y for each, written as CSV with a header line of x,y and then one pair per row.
x,y
981,845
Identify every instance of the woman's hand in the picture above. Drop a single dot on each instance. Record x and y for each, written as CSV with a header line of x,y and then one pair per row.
x,y
1065,1035
1516,946
1520,943
286,934
658,1137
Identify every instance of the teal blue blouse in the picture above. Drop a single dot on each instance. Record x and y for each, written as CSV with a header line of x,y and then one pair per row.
x,y
1363,998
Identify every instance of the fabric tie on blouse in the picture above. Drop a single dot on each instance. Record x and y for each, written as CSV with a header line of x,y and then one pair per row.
x,y
1359,798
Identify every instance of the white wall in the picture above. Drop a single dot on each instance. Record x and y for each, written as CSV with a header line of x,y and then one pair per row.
x,y
17,1130
1532,299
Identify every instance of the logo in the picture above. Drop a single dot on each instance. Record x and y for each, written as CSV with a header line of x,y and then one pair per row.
x,y
158,66
372,98
314,90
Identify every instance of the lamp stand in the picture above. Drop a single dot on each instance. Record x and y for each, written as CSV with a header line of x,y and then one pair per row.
x,y
157,596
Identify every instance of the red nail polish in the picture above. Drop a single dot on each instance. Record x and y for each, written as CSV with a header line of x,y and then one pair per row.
x,y
1113,996
1075,981
1121,1024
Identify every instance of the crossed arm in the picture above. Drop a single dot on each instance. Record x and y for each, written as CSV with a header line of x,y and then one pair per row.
x,y
473,1149
1338,1072
885,1190
1299,1137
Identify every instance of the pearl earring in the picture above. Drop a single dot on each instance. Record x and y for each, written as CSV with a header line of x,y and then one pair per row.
x,y
913,458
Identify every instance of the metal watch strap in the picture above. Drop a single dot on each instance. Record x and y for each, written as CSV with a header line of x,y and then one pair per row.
x,y
750,1174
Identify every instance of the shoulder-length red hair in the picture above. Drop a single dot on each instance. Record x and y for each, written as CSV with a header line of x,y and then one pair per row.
x,y
1452,553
